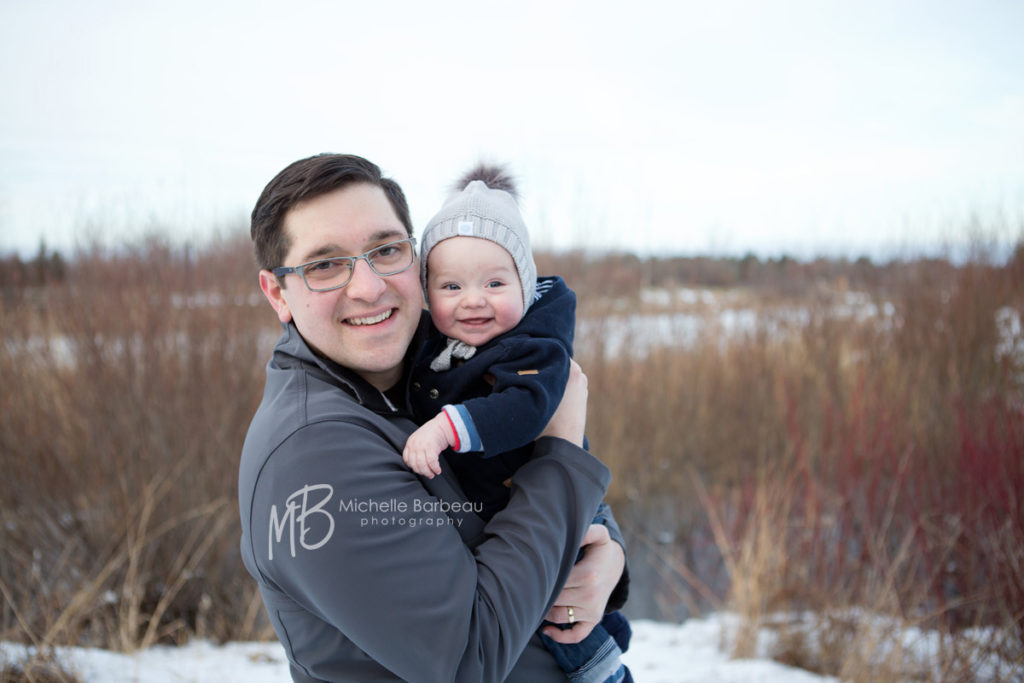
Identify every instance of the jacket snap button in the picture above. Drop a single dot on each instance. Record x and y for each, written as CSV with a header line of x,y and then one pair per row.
x,y
433,393
415,386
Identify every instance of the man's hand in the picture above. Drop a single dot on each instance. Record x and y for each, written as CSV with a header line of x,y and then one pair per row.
x,y
570,418
590,584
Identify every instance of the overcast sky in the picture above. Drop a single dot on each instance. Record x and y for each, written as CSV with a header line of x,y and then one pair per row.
x,y
805,127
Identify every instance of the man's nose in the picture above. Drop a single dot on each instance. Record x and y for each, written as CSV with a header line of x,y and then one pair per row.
x,y
364,284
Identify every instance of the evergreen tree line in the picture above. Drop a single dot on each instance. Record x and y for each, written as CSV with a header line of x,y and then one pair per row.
x,y
46,267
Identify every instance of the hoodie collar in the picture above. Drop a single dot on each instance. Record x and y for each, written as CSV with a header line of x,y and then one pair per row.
x,y
292,348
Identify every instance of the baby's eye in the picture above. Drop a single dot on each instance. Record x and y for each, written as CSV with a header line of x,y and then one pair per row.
x,y
495,283
450,286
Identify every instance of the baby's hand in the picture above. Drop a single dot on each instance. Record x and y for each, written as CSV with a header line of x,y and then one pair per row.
x,y
425,445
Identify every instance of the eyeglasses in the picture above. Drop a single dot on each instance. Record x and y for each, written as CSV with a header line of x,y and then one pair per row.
x,y
326,274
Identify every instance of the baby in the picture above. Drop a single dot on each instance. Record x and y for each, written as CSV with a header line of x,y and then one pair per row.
x,y
494,373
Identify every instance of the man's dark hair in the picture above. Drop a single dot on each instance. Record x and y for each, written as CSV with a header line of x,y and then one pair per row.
x,y
307,179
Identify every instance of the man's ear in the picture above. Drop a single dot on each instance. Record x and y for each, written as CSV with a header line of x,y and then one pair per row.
x,y
275,295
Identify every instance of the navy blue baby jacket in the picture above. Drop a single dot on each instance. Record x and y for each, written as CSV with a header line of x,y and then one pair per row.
x,y
510,387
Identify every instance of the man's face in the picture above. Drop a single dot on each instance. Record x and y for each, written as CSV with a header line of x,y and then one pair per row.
x,y
366,325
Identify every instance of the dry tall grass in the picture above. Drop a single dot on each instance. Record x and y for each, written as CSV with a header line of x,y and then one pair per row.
x,y
862,465
128,389
799,457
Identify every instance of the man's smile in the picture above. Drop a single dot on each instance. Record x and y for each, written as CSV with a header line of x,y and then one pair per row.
x,y
370,320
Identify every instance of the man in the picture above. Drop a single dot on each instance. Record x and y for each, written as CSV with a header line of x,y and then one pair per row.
x,y
367,571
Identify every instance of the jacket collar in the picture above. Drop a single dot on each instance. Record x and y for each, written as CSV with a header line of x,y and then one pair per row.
x,y
292,351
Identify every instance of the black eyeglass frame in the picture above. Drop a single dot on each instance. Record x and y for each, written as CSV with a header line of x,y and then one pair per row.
x,y
300,269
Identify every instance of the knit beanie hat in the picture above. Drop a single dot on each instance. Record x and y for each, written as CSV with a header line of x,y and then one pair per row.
x,y
485,207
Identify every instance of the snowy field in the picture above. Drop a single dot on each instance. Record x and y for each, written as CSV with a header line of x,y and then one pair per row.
x,y
659,653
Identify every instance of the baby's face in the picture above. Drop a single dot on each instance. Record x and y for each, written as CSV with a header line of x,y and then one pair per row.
x,y
473,289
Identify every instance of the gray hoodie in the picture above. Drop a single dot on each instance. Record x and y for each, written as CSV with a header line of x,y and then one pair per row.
x,y
370,573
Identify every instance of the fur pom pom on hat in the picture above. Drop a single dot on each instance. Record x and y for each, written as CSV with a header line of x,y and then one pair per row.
x,y
484,206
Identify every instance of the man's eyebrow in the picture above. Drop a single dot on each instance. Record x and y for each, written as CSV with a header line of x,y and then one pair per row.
x,y
323,251
376,239
388,235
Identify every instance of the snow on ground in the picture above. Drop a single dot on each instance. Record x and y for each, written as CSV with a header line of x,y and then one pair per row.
x,y
659,653
669,653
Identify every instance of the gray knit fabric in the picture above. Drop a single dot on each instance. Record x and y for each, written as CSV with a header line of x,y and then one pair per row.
x,y
479,211
453,349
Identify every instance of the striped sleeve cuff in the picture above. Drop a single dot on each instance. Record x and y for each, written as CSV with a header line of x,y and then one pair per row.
x,y
466,437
